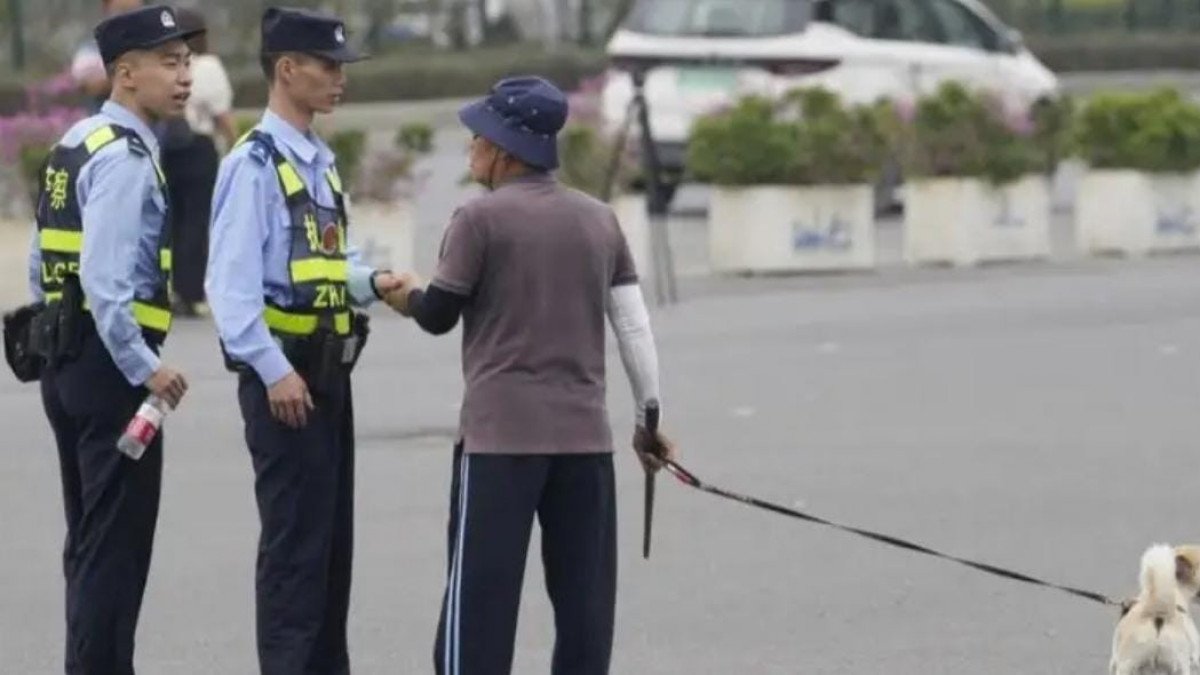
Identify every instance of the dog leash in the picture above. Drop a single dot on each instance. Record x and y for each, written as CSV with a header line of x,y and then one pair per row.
x,y
688,478
652,413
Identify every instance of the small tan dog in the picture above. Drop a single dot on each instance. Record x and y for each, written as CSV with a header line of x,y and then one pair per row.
x,y
1156,634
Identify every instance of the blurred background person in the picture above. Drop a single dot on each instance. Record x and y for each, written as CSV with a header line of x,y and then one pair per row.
x,y
190,160
86,65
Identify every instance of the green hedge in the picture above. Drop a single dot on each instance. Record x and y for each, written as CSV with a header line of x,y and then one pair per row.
x,y
426,76
420,75
1149,131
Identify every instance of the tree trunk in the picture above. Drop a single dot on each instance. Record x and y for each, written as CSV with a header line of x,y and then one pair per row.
x,y
585,22
481,9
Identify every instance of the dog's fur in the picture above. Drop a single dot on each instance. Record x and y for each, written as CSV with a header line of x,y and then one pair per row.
x,y
1156,635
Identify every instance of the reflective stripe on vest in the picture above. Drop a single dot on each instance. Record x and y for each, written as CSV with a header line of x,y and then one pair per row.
x,y
145,314
71,241
297,324
61,241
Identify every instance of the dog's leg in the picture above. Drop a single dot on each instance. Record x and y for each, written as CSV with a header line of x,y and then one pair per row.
x,y
1116,668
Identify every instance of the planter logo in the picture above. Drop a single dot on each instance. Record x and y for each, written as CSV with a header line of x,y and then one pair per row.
x,y
1179,220
1007,218
833,234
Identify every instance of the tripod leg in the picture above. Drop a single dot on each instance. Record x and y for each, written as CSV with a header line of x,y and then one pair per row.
x,y
614,164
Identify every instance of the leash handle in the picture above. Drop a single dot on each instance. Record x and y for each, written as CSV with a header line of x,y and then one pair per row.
x,y
652,416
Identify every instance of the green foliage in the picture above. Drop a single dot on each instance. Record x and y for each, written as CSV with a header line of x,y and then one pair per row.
x,y
586,158
348,147
1156,131
809,138
30,162
242,124
416,137
387,173
959,132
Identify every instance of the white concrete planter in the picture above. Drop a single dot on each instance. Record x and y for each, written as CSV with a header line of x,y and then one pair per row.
x,y
792,228
384,233
635,224
964,221
940,217
1017,221
1135,213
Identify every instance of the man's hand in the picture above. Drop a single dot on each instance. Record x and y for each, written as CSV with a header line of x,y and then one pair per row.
x,y
167,384
652,450
384,283
290,401
397,297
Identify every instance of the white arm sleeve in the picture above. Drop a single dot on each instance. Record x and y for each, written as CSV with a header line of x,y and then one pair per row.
x,y
631,323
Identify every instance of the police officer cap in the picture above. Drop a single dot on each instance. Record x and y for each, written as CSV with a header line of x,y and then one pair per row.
x,y
298,30
144,28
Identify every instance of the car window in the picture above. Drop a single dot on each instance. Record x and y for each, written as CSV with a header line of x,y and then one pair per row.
x,y
719,18
909,20
960,26
856,16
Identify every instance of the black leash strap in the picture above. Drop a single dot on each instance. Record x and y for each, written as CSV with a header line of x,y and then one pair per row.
x,y
688,478
652,413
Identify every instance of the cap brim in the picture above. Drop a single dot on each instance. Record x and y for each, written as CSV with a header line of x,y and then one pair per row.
x,y
183,35
159,41
346,54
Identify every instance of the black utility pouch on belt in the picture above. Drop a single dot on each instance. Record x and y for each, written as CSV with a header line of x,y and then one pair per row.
x,y
21,348
322,358
329,357
70,322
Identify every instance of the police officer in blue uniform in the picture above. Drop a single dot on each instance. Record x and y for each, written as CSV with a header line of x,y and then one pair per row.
x,y
281,284
99,264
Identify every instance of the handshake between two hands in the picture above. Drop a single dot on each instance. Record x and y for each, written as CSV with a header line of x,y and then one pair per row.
x,y
396,288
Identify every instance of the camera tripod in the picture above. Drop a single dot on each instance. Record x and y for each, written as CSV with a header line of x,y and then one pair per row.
x,y
659,190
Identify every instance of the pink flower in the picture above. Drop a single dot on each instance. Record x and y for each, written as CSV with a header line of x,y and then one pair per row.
x,y
23,130
1020,122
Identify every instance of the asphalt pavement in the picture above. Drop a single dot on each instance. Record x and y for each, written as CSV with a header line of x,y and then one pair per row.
x,y
1040,416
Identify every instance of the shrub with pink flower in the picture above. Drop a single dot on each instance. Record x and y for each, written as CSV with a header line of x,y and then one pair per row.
x,y
585,102
587,153
956,132
26,137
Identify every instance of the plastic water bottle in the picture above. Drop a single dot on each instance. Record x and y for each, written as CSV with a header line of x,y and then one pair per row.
x,y
144,426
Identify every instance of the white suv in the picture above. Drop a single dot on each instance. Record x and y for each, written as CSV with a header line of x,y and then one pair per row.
x,y
699,55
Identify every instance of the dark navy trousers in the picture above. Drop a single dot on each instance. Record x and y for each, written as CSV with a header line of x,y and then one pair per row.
x,y
494,499
111,505
304,485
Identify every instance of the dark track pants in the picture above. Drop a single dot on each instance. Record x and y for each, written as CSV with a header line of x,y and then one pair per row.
x,y
304,483
111,505
493,502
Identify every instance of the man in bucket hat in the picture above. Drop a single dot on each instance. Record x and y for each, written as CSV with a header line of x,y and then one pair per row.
x,y
532,267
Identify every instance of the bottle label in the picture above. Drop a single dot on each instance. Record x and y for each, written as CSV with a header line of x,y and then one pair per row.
x,y
144,425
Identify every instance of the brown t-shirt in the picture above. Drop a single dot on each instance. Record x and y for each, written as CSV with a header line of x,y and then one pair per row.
x,y
537,261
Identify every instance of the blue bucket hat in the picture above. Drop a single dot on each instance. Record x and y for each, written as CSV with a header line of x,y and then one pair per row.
x,y
522,115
